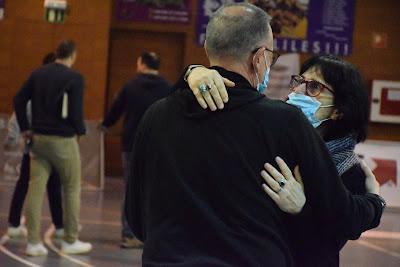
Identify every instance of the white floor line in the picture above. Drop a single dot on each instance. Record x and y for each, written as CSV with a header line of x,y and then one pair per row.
x,y
378,248
3,249
381,234
89,222
47,240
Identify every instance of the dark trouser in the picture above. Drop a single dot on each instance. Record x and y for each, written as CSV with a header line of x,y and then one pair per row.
x,y
21,189
126,230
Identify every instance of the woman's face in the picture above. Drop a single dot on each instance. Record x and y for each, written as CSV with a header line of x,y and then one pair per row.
x,y
325,97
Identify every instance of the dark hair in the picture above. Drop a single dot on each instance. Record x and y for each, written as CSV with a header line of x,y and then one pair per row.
x,y
49,58
65,49
151,60
350,96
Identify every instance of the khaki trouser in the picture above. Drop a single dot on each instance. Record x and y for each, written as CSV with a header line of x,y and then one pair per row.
x,y
61,153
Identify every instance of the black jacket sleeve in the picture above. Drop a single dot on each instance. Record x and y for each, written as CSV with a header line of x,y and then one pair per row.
x,y
332,207
117,109
20,103
75,105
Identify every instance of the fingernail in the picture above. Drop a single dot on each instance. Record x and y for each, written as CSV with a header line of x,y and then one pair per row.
x,y
278,158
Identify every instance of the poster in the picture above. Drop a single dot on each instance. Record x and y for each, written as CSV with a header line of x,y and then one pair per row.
x,y
299,26
162,11
279,77
383,158
2,9
92,157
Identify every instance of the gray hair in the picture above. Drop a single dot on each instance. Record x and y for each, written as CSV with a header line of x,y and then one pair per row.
x,y
236,33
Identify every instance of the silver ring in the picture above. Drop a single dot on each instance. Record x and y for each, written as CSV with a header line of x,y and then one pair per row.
x,y
203,88
282,183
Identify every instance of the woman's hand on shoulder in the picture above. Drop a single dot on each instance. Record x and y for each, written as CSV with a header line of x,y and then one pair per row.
x,y
215,94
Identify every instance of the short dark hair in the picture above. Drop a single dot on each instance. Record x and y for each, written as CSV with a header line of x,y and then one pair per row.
x,y
350,96
65,49
151,60
49,58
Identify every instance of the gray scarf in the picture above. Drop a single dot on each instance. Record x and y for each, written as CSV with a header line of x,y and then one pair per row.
x,y
342,152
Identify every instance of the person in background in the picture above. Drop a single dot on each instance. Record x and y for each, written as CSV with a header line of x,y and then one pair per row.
x,y
331,94
195,195
56,94
132,102
15,228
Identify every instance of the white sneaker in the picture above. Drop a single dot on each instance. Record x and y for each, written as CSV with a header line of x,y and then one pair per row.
x,y
19,231
36,250
59,233
78,247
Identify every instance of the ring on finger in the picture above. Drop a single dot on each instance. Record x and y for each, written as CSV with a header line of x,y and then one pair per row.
x,y
203,88
282,183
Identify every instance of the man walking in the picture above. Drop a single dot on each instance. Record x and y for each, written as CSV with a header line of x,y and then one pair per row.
x,y
56,94
132,102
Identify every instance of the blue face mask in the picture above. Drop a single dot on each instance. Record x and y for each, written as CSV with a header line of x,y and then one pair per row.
x,y
308,106
264,84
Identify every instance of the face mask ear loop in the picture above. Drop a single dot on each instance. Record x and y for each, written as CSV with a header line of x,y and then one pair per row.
x,y
255,71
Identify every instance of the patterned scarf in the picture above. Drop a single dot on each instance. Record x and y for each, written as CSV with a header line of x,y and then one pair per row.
x,y
342,152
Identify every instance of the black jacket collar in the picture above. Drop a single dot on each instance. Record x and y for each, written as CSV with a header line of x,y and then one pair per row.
x,y
239,95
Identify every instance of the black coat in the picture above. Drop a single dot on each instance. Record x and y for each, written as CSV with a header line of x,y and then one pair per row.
x,y
195,197
133,100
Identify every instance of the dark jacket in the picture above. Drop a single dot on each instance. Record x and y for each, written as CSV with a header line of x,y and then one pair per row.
x,y
195,194
46,87
132,101
354,180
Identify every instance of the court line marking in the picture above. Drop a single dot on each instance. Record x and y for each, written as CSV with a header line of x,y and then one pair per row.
x,y
47,240
3,249
378,248
90,222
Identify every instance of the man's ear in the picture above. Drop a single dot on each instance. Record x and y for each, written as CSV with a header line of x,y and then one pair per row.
x,y
336,115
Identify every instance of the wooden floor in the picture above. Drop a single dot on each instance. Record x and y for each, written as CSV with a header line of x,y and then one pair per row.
x,y
100,220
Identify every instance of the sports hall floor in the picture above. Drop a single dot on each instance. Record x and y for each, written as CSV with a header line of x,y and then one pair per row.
x,y
100,219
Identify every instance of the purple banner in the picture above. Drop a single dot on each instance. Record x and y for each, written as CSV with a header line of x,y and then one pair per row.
x,y
2,9
162,11
299,26
205,9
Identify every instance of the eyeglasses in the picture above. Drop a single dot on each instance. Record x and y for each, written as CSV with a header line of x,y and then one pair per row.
x,y
313,88
275,55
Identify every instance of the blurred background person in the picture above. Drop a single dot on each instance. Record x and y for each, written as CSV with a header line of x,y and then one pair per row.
x,y
56,94
15,228
132,102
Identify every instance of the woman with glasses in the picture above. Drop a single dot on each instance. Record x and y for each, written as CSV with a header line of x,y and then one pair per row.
x,y
331,94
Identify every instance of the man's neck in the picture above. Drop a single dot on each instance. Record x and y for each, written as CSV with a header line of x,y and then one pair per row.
x,y
149,71
64,62
239,68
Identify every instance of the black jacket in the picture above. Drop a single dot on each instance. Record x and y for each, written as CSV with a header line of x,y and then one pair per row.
x,y
354,181
46,87
195,194
132,101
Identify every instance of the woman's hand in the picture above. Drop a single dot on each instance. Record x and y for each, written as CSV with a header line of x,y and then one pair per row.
x,y
216,94
371,184
283,188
